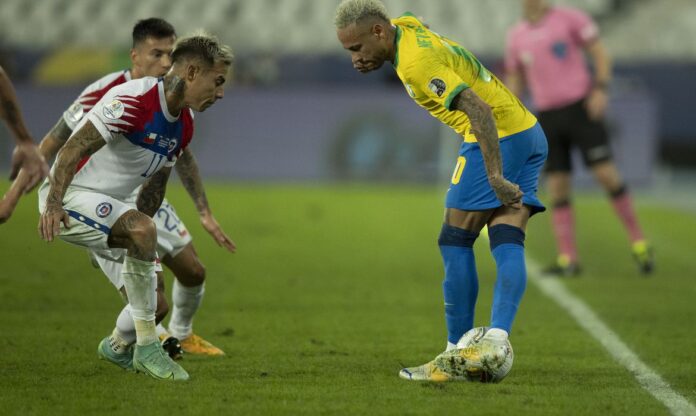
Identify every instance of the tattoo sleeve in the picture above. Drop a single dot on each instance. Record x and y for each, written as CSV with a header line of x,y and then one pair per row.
x,y
84,143
9,109
55,139
187,168
483,127
152,192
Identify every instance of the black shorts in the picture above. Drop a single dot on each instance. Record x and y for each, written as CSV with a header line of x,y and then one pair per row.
x,y
571,126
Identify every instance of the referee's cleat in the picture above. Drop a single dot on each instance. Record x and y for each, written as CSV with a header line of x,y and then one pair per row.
x,y
106,353
152,360
459,364
563,267
644,256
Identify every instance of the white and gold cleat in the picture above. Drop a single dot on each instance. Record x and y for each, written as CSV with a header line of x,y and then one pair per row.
x,y
453,365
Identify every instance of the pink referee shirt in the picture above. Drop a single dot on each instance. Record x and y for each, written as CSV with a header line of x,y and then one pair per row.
x,y
550,56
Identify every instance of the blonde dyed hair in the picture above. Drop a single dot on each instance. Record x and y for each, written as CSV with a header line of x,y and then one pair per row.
x,y
204,46
352,11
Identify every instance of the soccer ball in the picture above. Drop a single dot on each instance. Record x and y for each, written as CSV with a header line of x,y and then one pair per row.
x,y
486,374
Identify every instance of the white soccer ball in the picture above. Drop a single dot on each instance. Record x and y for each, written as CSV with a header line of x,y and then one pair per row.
x,y
487,374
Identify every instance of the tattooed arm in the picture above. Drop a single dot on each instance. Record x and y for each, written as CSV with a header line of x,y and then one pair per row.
x,y
187,168
84,142
55,139
152,192
483,127
25,154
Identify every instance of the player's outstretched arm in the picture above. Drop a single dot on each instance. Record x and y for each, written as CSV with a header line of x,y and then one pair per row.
x,y
187,168
152,192
483,127
49,147
25,155
83,143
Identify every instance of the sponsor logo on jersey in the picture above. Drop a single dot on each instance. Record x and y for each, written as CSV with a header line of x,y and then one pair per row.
x,y
437,86
114,110
104,209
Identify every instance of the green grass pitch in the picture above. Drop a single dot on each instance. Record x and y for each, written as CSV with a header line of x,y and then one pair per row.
x,y
333,289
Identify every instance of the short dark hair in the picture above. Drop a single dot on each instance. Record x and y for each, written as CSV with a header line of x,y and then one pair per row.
x,y
203,46
153,27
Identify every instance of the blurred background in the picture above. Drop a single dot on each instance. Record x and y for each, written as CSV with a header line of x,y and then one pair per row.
x,y
298,112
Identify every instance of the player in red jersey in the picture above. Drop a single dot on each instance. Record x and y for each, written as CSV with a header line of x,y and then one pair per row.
x,y
153,40
133,136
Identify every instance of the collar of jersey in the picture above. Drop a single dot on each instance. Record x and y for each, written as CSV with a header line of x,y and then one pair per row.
x,y
163,101
397,38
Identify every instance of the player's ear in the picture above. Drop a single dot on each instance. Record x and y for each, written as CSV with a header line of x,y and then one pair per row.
x,y
378,30
192,71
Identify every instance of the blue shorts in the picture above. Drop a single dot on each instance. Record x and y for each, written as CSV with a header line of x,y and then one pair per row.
x,y
523,153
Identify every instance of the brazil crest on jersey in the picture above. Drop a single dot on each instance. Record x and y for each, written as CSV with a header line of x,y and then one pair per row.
x,y
435,70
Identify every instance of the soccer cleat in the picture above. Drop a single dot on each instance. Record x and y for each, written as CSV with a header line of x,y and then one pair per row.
x,y
644,256
196,345
104,352
453,365
172,346
562,267
151,359
494,352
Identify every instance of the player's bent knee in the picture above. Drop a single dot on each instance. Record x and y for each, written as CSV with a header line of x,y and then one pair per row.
x,y
194,275
505,234
142,231
457,237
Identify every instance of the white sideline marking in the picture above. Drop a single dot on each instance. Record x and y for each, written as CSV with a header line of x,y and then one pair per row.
x,y
651,381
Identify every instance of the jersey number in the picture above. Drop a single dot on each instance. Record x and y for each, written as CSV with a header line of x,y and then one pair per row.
x,y
168,212
457,175
154,165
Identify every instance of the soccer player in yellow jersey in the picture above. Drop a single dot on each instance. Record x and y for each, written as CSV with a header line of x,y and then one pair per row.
x,y
494,182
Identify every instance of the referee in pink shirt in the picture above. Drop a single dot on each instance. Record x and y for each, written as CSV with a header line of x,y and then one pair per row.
x,y
546,52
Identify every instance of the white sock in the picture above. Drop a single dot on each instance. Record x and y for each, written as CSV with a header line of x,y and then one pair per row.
x,y
186,301
125,326
161,330
450,346
140,282
497,333
118,344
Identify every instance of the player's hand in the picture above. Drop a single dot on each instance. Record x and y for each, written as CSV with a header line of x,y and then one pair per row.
x,y
507,192
596,104
7,205
49,224
213,228
27,156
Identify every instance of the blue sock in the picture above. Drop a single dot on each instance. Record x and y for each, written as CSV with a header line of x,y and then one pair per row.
x,y
460,286
507,246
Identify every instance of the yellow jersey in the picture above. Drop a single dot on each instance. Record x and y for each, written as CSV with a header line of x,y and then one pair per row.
x,y
435,70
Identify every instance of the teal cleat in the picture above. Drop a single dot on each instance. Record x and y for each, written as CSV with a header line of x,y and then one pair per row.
x,y
125,360
151,359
